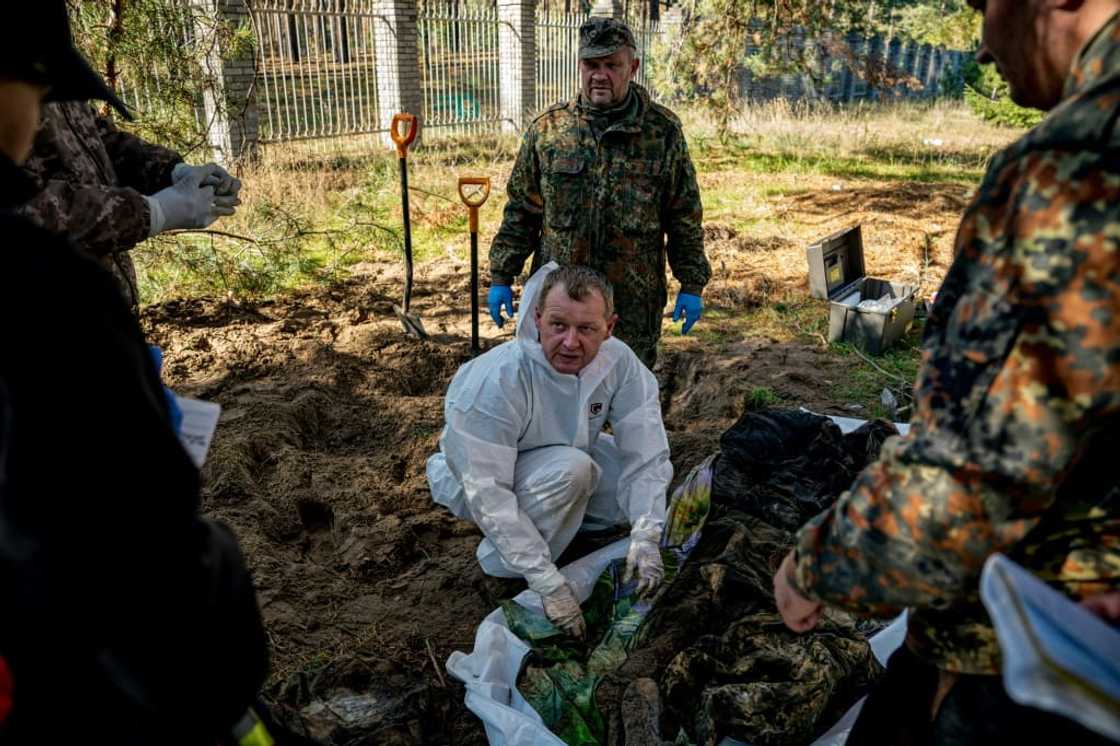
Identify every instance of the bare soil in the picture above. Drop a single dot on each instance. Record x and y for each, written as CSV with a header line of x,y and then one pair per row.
x,y
330,412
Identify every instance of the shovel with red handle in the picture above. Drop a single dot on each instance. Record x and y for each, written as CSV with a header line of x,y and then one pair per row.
x,y
474,190
410,321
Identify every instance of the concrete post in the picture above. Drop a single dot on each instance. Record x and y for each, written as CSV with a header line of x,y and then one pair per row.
x,y
858,46
921,69
875,60
517,62
398,64
228,102
894,60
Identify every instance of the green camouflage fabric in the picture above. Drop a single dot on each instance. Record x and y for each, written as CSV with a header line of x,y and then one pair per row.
x,y
91,179
1017,402
622,203
751,678
599,37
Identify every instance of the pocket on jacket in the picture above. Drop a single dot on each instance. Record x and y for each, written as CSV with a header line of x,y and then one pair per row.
x,y
564,186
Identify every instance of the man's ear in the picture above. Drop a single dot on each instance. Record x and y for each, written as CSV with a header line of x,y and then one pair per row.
x,y
634,64
610,324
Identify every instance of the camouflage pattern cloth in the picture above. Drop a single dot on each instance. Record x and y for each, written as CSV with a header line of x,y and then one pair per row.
x,y
92,179
1017,402
620,201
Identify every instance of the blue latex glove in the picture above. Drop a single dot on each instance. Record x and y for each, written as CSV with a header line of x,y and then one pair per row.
x,y
691,307
500,295
172,404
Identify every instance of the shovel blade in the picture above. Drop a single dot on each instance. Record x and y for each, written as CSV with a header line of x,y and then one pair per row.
x,y
413,327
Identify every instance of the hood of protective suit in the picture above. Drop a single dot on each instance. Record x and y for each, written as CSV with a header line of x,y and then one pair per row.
x,y
527,311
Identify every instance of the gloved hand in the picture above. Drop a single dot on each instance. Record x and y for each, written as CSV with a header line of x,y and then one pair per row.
x,y
562,609
692,308
644,562
185,204
225,185
500,295
172,403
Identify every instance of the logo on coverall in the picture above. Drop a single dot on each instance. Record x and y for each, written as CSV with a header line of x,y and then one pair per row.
x,y
596,408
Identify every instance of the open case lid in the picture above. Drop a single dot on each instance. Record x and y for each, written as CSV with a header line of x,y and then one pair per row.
x,y
836,264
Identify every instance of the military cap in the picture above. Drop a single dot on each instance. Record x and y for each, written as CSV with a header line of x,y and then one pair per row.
x,y
599,37
37,47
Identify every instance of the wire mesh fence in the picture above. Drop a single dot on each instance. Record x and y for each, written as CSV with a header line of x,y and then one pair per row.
x,y
317,68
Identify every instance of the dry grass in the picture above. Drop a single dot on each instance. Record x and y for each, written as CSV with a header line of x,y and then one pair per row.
x,y
789,175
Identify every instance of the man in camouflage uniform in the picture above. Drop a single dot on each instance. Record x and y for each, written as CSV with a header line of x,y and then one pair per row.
x,y
606,180
107,190
1017,404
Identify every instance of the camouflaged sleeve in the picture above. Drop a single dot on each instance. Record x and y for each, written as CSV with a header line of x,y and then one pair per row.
x,y
1020,380
99,219
139,164
682,219
520,233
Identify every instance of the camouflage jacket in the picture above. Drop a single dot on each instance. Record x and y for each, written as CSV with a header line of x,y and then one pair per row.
x,y
621,203
91,179
1017,402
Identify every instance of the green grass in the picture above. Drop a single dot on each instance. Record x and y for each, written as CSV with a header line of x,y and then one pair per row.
x,y
865,384
760,397
865,166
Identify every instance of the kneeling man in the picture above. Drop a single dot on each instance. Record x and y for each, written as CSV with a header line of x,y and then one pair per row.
x,y
523,453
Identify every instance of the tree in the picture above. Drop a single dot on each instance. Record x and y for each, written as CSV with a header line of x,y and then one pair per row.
x,y
152,52
783,36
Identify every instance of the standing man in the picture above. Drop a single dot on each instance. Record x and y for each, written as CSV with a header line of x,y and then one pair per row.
x,y
524,455
605,180
107,190
1012,447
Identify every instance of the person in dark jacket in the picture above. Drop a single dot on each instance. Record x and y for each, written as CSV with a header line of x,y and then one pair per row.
x,y
126,617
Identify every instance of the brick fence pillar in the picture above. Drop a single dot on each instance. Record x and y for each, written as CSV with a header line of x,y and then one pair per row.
x,y
517,62
228,102
398,63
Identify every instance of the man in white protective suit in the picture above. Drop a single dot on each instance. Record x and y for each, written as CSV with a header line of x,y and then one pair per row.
x,y
523,453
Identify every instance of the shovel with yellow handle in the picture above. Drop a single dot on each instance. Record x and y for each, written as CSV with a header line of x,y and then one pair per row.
x,y
474,190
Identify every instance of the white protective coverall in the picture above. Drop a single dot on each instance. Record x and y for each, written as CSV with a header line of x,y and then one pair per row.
x,y
523,455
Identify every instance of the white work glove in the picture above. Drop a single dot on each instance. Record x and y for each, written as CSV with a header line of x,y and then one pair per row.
x,y
184,204
562,609
643,561
225,185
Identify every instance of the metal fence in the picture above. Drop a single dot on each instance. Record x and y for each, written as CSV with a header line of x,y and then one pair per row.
x,y
646,35
558,55
459,69
316,68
